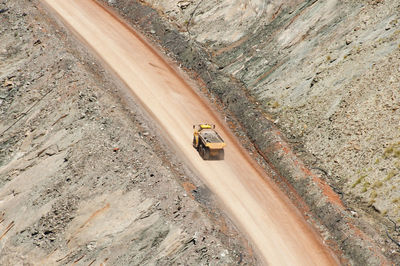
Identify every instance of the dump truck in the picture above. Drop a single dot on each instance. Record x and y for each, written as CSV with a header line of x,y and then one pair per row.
x,y
207,142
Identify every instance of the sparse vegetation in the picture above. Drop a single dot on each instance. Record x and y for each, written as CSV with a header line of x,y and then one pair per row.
x,y
390,175
366,185
358,181
393,150
273,104
377,184
372,197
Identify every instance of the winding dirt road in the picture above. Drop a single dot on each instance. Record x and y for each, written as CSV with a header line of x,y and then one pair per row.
x,y
254,203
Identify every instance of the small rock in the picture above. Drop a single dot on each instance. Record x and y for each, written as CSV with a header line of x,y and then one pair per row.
x,y
183,4
91,246
354,214
224,253
8,83
348,42
53,149
376,207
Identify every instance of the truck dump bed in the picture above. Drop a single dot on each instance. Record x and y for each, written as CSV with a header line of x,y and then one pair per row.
x,y
210,136
211,139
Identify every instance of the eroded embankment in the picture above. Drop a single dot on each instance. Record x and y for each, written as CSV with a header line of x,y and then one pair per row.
x,y
228,86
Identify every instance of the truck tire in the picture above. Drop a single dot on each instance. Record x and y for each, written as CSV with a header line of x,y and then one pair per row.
x,y
201,151
194,143
221,155
206,154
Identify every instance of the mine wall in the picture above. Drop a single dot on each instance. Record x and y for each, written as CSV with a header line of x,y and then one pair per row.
x,y
299,80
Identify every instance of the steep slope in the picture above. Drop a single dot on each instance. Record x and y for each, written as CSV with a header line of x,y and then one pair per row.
x,y
329,78
326,73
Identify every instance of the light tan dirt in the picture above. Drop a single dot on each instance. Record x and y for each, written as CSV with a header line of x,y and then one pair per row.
x,y
261,211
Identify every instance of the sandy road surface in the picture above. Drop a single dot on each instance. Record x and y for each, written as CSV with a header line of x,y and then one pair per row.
x,y
256,206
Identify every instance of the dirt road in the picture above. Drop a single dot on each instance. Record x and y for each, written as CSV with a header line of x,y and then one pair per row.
x,y
253,202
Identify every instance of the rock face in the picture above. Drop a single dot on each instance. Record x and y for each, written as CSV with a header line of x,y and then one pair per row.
x,y
84,177
326,73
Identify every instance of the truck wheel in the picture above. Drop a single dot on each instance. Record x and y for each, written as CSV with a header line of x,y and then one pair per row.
x,y
221,155
194,143
201,151
206,154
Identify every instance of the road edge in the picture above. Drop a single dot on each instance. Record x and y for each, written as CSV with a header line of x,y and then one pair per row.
x,y
317,197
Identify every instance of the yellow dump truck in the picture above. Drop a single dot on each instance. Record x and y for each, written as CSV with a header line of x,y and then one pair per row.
x,y
207,142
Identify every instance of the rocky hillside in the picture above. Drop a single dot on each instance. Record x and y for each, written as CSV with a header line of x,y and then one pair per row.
x,y
84,177
77,156
326,73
